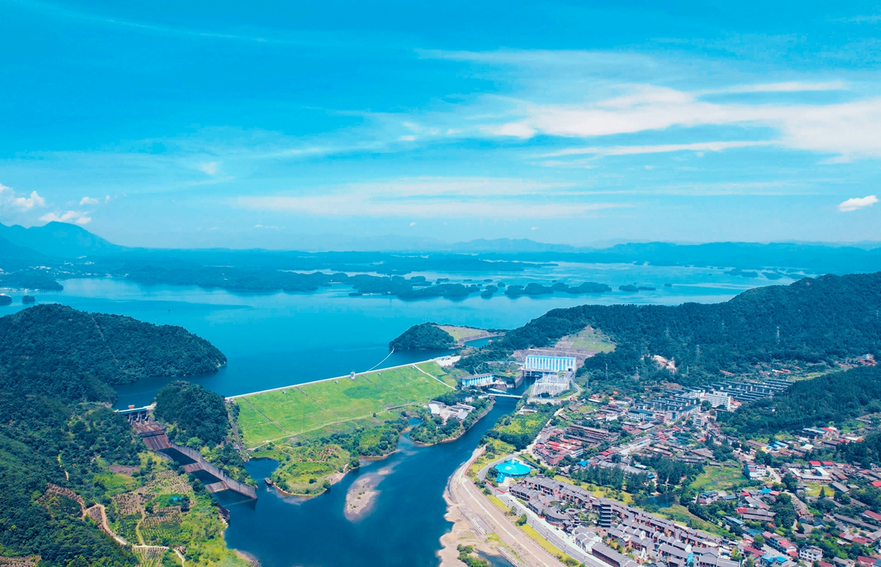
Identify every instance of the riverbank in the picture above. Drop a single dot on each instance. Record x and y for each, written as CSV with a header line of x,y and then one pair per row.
x,y
462,532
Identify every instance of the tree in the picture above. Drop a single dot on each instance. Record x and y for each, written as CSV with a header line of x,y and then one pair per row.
x,y
790,482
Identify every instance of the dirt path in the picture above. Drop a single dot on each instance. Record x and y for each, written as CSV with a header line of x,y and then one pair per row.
x,y
102,521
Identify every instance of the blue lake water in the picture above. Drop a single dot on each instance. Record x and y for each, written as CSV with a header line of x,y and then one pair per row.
x,y
277,339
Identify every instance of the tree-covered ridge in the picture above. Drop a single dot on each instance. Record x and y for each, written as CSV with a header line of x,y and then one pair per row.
x,y
43,441
193,412
58,351
811,320
831,398
427,336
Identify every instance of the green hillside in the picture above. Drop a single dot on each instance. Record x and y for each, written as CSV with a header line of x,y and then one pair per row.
x,y
55,350
822,319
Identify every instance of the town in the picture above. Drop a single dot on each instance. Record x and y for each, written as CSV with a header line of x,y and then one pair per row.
x,y
661,479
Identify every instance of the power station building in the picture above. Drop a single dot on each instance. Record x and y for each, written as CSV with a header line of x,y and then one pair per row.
x,y
537,363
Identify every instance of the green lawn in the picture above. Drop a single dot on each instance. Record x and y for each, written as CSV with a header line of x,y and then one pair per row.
x,y
679,513
587,340
285,413
525,423
719,478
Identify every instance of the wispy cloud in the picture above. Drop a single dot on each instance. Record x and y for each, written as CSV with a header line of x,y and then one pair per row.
x,y
848,130
75,217
786,87
90,201
209,167
655,149
857,203
435,197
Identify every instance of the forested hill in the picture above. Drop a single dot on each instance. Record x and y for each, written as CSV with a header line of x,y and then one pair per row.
x,y
832,398
55,350
811,320
427,336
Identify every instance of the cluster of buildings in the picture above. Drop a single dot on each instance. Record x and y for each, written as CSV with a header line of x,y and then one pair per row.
x,y
554,444
445,412
724,395
638,535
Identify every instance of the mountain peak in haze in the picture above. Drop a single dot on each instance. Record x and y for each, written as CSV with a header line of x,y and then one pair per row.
x,y
58,239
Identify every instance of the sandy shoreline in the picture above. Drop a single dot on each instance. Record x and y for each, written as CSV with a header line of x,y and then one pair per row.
x,y
462,532
360,496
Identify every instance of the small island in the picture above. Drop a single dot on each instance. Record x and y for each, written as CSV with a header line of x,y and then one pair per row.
x,y
427,336
535,289
28,299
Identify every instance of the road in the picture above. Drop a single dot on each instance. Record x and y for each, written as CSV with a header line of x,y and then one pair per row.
x,y
473,502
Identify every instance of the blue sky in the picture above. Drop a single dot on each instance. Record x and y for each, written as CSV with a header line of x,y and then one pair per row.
x,y
292,125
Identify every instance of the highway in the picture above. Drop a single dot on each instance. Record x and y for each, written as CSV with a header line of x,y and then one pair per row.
x,y
472,502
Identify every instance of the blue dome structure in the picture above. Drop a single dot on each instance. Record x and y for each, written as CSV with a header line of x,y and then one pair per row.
x,y
513,468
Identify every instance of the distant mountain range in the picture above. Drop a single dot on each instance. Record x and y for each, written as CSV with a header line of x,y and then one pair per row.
x,y
20,247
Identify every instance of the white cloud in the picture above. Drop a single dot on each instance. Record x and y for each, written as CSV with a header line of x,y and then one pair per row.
x,y
209,167
660,148
857,203
75,217
514,129
848,130
8,197
787,87
435,197
88,201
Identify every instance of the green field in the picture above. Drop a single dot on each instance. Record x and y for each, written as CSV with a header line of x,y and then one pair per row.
x,y
462,333
719,478
587,340
285,413
679,513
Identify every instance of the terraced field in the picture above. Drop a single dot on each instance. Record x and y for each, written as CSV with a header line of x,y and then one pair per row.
x,y
275,415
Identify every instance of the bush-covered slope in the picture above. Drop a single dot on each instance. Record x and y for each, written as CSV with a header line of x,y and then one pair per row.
x,y
58,351
811,320
426,336
834,397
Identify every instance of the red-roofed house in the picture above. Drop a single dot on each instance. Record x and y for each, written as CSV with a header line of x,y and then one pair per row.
x,y
873,515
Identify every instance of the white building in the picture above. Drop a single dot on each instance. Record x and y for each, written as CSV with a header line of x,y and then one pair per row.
x,y
551,384
810,554
549,363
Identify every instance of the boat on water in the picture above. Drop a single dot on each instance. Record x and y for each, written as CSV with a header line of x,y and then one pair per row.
x,y
268,481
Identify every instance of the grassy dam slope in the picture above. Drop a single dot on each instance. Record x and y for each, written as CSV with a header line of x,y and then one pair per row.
x,y
286,412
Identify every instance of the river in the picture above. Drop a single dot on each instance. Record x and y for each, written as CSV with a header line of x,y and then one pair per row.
x,y
278,339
